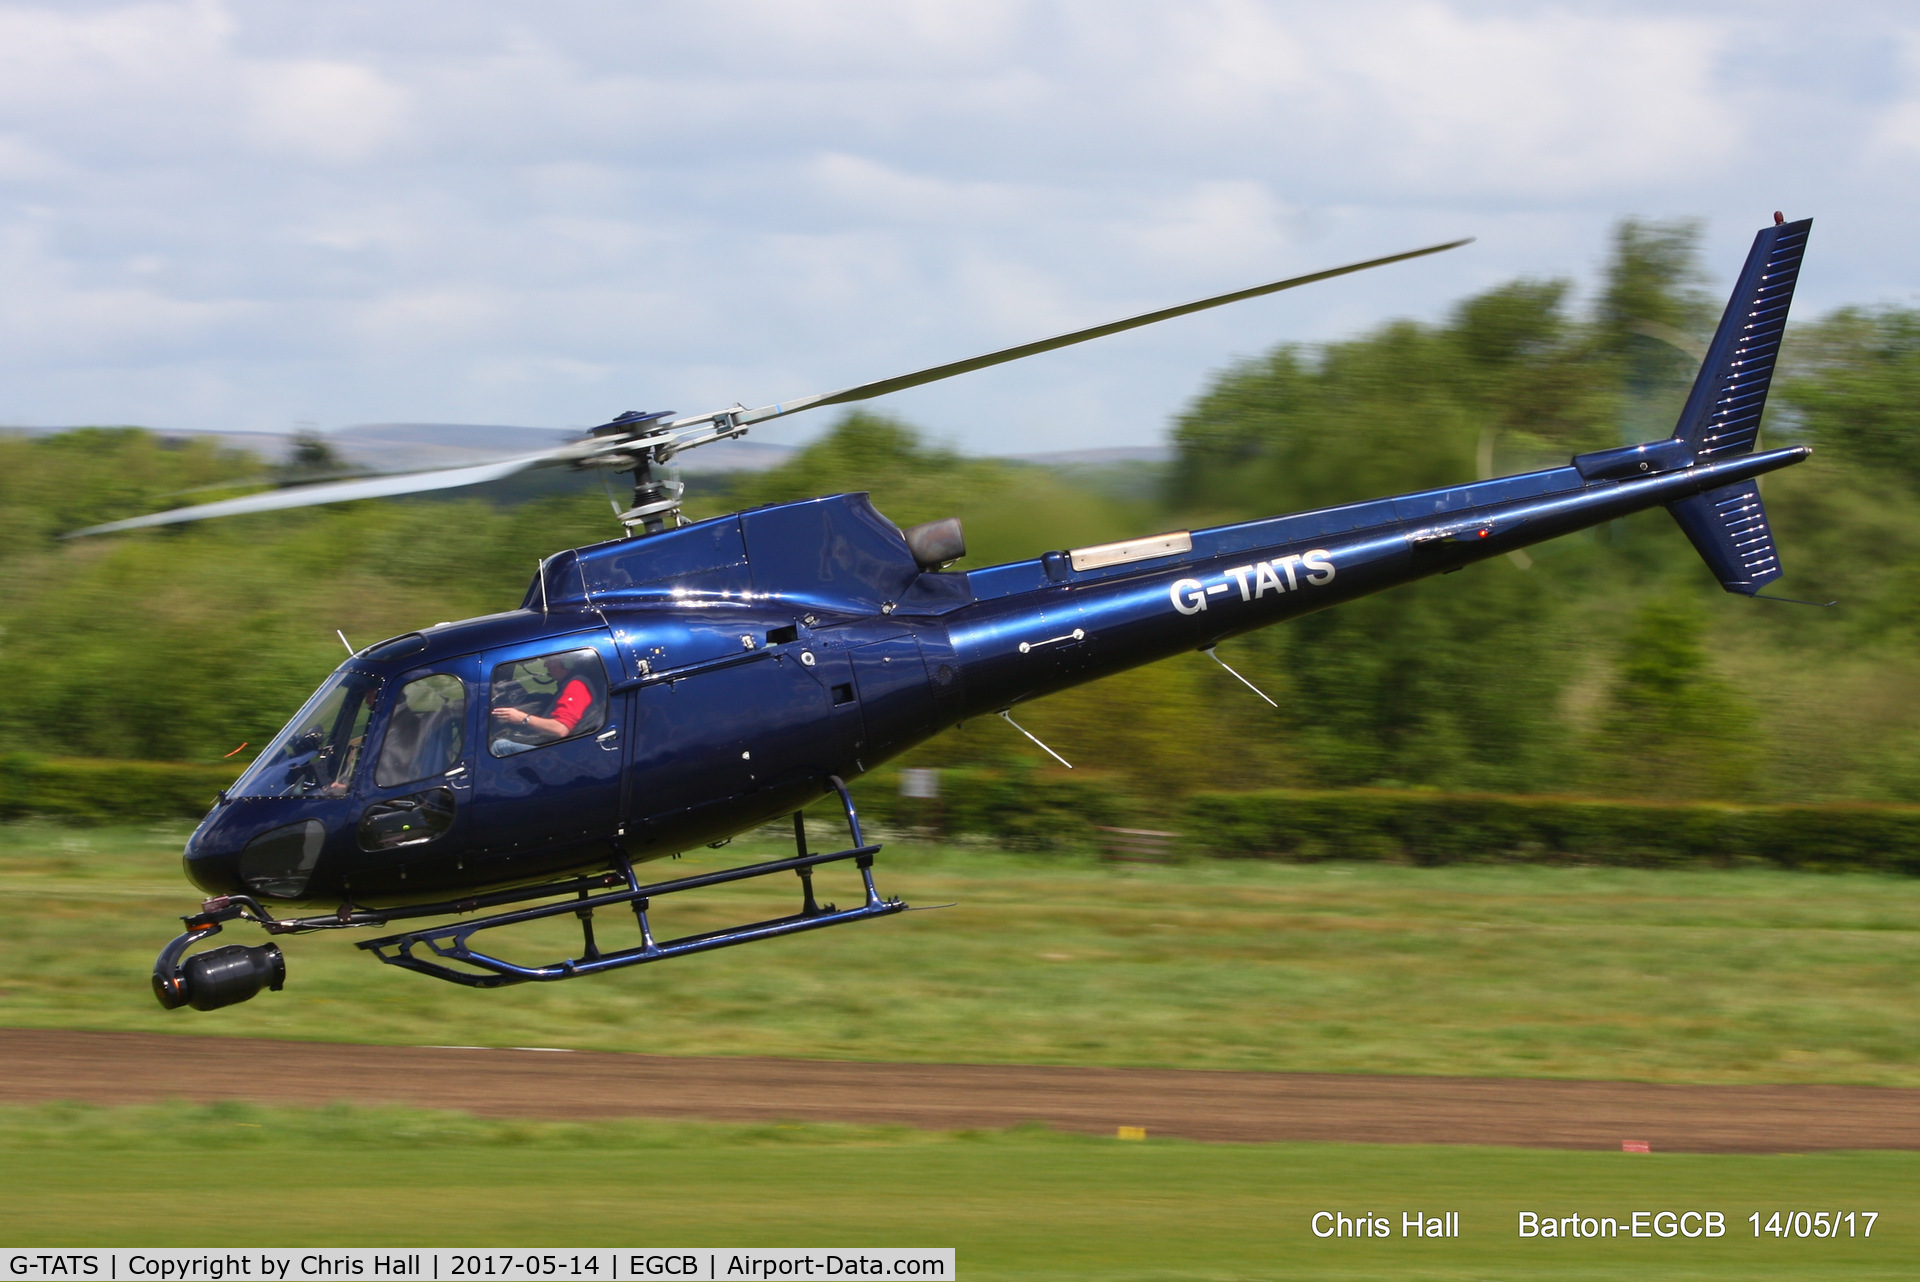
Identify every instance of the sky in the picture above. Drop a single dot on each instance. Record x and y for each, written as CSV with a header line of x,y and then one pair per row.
x,y
249,216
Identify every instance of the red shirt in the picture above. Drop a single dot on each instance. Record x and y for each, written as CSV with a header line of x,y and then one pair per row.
x,y
572,704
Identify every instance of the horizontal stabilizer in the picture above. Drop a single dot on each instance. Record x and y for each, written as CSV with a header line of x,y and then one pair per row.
x,y
1722,417
1729,530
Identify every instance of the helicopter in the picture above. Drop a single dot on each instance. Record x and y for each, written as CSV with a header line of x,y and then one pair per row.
x,y
693,680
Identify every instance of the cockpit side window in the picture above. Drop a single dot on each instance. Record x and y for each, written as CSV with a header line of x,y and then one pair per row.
x,y
540,701
426,730
319,750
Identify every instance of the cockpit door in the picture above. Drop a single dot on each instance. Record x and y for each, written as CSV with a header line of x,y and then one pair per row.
x,y
414,796
547,769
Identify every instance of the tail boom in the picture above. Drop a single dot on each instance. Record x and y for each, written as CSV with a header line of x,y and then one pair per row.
x,y
1041,626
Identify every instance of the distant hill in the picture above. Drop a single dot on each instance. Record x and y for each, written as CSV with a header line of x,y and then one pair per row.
x,y
1097,458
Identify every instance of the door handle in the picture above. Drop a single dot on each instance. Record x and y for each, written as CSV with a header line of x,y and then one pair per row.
x,y
607,739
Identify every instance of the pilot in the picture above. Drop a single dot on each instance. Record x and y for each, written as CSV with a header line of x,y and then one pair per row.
x,y
351,761
574,702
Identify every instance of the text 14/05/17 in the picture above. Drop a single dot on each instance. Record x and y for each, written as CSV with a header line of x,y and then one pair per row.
x,y
1698,1224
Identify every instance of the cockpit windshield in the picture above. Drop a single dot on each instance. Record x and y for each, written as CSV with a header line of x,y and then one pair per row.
x,y
318,752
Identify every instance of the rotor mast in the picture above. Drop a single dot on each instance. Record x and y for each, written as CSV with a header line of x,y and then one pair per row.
x,y
638,443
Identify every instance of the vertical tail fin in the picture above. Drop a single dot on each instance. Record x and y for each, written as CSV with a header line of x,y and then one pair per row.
x,y
1728,527
1722,416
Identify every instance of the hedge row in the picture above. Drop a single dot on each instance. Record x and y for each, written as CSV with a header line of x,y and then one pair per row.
x,y
1428,828
1033,809
107,791
1036,809
1021,806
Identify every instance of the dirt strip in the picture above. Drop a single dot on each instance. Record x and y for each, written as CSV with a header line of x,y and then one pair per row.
x,y
125,1068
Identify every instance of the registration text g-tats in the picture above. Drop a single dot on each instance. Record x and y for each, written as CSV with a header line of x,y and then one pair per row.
x,y
1282,574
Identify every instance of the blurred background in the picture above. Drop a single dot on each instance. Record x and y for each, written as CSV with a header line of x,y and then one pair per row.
x,y
286,244
1604,664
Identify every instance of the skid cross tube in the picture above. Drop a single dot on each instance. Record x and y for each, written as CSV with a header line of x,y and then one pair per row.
x,y
451,942
349,916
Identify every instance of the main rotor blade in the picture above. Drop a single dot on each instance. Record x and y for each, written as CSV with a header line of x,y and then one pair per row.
x,y
582,450
372,487
937,372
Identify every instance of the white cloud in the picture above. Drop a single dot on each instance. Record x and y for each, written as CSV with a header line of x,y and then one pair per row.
x,y
241,214
328,111
108,84
1897,138
1548,105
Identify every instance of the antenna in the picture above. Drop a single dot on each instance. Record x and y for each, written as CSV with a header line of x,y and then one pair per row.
x,y
1008,718
343,641
540,570
1212,654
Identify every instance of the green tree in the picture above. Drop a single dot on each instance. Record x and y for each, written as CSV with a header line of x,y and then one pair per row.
x,y
1654,315
1672,727
1531,373
311,456
51,485
1451,683
1854,385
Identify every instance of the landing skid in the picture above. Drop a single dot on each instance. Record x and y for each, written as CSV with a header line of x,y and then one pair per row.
x,y
451,942
216,979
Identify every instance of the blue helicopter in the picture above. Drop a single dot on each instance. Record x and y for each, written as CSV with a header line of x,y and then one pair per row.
x,y
690,681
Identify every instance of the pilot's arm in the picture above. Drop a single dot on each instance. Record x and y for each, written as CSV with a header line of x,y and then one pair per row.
x,y
342,781
549,726
574,702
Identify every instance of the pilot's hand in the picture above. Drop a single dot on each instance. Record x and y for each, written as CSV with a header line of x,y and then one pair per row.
x,y
512,716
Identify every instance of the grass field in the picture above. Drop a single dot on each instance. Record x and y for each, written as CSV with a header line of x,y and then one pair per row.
x,y
1014,1204
1700,976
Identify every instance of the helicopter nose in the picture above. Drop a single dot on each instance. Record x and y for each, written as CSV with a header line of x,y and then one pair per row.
x,y
256,852
215,871
211,859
